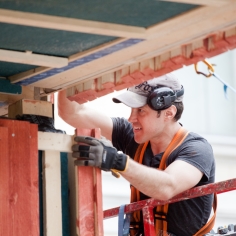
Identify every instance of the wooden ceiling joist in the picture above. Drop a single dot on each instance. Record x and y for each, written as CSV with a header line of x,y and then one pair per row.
x,y
216,3
199,20
70,24
27,74
32,59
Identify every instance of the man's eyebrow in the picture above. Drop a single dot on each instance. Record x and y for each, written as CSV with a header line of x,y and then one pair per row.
x,y
142,106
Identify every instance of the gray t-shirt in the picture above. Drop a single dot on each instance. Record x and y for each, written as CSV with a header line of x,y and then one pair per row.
x,y
185,217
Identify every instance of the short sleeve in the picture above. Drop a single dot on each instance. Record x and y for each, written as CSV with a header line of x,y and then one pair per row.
x,y
198,152
123,137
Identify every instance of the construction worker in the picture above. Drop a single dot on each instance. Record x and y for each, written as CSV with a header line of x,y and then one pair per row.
x,y
156,107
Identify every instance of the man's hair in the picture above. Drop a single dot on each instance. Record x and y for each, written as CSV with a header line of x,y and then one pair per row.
x,y
179,106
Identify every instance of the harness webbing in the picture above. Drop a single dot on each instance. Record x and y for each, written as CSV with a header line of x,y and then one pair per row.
x,y
161,211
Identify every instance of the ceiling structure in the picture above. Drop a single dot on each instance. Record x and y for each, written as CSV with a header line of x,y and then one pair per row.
x,y
93,47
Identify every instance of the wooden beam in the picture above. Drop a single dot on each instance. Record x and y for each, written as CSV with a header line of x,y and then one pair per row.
x,y
52,202
32,59
70,24
95,49
55,141
201,15
30,107
24,75
216,3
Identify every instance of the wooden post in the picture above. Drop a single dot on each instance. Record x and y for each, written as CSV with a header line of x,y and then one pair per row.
x,y
52,202
89,219
19,195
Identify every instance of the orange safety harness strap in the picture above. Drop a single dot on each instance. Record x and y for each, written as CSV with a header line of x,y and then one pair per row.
x,y
210,224
161,211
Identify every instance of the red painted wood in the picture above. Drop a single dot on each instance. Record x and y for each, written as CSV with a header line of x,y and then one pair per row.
x,y
89,195
22,178
5,217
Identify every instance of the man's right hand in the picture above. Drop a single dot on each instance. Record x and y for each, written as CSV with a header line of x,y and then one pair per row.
x,y
98,153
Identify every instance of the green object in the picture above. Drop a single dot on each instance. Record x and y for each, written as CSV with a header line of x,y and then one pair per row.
x,y
7,87
65,195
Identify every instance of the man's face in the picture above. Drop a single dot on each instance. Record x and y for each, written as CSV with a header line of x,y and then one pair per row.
x,y
147,123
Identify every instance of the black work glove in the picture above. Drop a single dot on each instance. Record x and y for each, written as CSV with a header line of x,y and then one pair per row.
x,y
98,153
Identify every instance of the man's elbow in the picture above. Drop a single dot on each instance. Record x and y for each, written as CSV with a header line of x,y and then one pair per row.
x,y
62,115
165,194
64,106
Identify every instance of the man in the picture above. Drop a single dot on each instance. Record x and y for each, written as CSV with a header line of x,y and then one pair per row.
x,y
156,107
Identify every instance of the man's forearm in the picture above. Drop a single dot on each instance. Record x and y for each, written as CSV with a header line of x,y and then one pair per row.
x,y
82,116
150,181
163,184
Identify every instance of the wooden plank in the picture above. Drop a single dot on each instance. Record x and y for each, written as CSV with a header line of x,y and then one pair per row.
x,y
55,141
97,188
179,22
96,49
22,162
70,24
52,205
216,3
33,178
30,58
89,195
28,106
24,75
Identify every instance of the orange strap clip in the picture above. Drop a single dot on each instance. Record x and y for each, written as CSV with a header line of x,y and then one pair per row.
x,y
209,67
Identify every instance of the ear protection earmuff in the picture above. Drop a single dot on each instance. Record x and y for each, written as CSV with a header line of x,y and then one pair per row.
x,y
162,98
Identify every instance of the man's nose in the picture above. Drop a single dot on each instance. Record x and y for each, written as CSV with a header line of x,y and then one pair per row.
x,y
133,116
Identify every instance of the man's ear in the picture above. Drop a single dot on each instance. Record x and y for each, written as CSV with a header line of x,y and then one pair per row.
x,y
170,112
